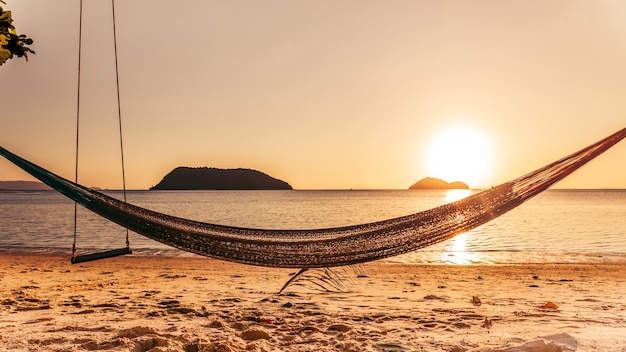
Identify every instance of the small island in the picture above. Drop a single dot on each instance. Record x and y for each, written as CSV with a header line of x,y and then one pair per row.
x,y
205,178
435,183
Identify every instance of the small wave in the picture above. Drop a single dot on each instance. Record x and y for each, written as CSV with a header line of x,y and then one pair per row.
x,y
509,257
488,257
56,251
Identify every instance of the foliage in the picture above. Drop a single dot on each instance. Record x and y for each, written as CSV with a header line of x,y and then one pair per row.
x,y
10,42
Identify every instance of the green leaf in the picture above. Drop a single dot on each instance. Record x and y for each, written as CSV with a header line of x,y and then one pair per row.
x,y
12,44
4,55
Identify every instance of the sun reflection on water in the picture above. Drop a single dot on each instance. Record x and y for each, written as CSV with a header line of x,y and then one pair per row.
x,y
456,251
456,194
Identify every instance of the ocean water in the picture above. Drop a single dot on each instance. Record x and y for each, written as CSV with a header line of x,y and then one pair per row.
x,y
555,226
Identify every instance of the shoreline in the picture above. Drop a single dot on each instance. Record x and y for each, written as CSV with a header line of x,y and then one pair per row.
x,y
151,303
421,257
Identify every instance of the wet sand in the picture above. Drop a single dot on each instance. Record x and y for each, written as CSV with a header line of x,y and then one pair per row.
x,y
143,303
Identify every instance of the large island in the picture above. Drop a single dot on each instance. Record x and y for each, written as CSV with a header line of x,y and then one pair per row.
x,y
435,183
205,178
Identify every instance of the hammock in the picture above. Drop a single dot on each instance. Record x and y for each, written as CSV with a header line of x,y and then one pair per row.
x,y
322,247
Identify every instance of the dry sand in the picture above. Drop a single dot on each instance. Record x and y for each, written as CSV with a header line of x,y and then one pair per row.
x,y
139,303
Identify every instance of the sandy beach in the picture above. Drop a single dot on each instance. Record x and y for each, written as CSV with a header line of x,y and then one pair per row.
x,y
142,303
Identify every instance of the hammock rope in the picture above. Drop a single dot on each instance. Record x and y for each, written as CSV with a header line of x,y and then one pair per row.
x,y
119,112
114,252
320,248
78,80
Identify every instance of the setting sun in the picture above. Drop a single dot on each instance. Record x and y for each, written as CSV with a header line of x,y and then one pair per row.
x,y
460,154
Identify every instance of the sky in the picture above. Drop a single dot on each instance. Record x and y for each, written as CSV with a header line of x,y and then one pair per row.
x,y
321,94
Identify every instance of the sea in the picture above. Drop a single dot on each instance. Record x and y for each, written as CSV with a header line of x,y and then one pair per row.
x,y
557,226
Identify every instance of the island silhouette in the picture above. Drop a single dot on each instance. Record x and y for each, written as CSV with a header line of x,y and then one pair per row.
x,y
209,178
205,178
6,186
435,183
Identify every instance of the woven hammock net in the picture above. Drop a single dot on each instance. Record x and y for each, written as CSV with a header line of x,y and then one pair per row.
x,y
323,247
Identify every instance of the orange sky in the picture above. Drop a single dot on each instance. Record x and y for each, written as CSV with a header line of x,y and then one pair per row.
x,y
321,94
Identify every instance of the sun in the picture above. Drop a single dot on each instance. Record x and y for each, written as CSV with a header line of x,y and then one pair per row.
x,y
460,153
